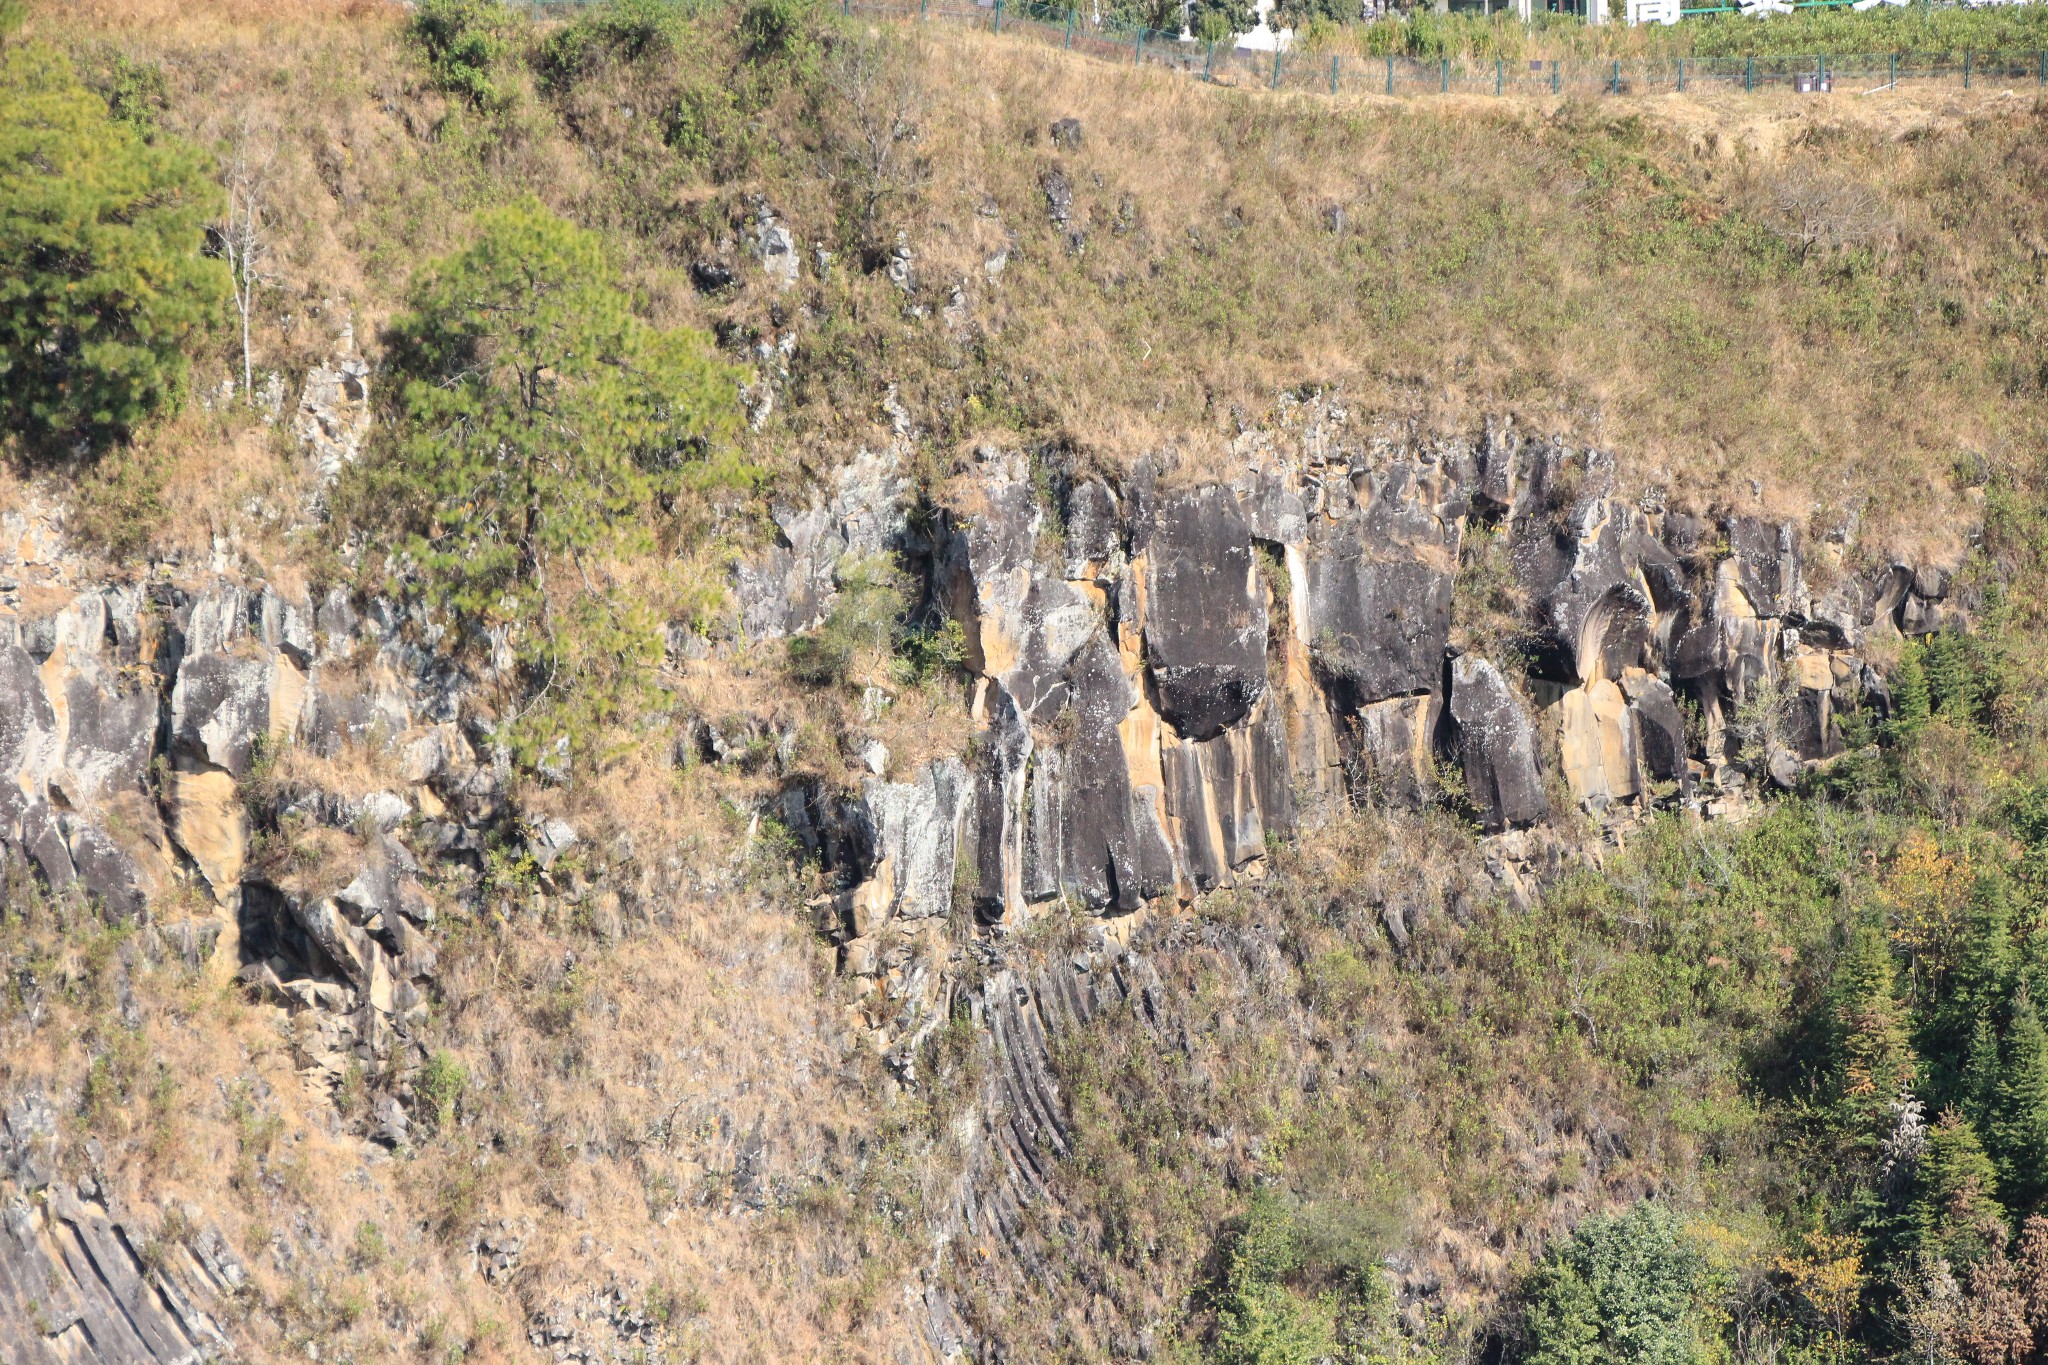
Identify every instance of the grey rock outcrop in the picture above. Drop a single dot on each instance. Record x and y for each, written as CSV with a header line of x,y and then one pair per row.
x,y
1204,615
1496,747
1168,673
72,1288
333,416
775,248
791,587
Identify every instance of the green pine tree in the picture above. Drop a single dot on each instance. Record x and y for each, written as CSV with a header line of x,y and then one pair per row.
x,y
1627,1288
2021,1130
103,280
544,437
1977,1090
1912,701
1872,1057
1951,666
1954,1213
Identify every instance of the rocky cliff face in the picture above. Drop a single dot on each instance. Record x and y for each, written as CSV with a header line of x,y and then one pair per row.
x,y
138,735
1170,671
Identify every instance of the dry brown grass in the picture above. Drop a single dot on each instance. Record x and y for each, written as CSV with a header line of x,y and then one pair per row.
x,y
202,16
1559,297
1609,272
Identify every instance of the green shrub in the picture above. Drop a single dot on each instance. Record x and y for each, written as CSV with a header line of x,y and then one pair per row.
x,y
134,91
438,1090
103,281
867,618
463,41
1628,1288
779,31
1259,1320
618,30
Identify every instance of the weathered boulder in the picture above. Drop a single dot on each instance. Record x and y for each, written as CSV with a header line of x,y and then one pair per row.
x,y
1203,610
1090,834
1224,794
1766,559
1496,746
1378,579
911,832
1396,748
1597,744
1659,728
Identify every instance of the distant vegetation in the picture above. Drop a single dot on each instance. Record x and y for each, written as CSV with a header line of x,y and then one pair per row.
x,y
1326,26
1769,1092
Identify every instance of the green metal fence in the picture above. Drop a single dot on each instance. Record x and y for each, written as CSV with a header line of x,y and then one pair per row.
x,y
1223,64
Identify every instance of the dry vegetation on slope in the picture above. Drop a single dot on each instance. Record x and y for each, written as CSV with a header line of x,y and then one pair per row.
x,y
1837,301
1827,297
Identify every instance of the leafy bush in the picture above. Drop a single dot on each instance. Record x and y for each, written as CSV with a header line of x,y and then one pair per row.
x,y
438,1090
618,30
864,619
1259,1320
870,624
542,435
1627,1288
779,32
103,282
463,42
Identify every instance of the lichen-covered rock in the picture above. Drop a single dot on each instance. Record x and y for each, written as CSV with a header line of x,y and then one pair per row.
x,y
912,833
333,417
1496,746
1024,624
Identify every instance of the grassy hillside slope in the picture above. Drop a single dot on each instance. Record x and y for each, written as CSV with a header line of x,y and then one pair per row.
x,y
1825,310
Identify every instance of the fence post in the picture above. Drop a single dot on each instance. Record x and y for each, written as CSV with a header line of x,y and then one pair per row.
x,y
1895,71
1444,87
1749,76
1681,75
1967,54
1553,78
1068,42
1617,79
1138,49
1390,75
999,16
1497,68
1209,64
1333,73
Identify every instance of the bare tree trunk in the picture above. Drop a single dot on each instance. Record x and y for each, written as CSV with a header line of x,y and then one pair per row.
x,y
242,238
